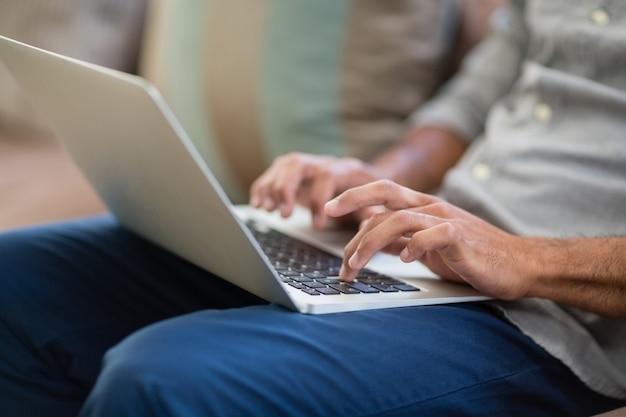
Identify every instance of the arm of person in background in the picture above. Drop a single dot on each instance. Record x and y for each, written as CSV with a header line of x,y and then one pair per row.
x,y
441,132
588,273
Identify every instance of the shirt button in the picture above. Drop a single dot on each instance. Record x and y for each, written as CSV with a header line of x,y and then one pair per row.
x,y
600,17
481,172
542,113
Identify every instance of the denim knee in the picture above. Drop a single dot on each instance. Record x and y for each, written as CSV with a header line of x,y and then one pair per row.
x,y
147,374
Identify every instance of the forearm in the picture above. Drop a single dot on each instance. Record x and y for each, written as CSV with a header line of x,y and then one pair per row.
x,y
421,160
457,114
588,273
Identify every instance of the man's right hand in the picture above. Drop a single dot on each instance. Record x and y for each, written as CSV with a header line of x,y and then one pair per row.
x,y
308,180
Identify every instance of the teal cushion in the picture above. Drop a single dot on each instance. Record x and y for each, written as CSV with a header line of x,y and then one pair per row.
x,y
253,80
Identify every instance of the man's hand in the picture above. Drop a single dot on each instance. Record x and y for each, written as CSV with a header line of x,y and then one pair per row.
x,y
450,241
310,181
419,161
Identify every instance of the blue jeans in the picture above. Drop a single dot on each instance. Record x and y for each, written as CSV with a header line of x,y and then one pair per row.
x,y
95,321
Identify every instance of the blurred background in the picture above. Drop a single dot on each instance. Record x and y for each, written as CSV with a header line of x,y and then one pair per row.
x,y
37,180
249,80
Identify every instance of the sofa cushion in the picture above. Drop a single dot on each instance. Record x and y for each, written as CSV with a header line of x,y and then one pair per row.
x,y
105,32
253,80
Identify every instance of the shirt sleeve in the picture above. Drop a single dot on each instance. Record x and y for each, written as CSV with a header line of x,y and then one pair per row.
x,y
487,74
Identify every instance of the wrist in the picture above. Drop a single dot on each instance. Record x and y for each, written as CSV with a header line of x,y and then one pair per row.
x,y
422,158
541,263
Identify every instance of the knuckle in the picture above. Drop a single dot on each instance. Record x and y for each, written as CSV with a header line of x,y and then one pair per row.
x,y
278,188
282,159
366,241
440,208
353,163
259,186
290,159
378,217
293,160
293,155
449,229
438,200
404,216
324,173
386,184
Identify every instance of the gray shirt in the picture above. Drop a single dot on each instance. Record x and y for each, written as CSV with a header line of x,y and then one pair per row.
x,y
543,101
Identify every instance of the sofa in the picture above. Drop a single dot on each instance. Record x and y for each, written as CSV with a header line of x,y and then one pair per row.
x,y
38,182
243,96
251,81
169,42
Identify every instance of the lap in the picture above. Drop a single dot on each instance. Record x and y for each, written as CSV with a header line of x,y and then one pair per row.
x,y
264,360
71,291
95,266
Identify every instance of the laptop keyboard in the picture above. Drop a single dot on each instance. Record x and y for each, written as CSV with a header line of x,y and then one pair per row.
x,y
315,271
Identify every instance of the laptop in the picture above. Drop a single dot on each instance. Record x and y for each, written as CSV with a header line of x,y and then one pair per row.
x,y
129,145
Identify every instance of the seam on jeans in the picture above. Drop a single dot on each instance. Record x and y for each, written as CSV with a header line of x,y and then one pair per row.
x,y
435,397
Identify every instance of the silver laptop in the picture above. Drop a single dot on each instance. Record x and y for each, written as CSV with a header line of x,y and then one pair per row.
x,y
129,145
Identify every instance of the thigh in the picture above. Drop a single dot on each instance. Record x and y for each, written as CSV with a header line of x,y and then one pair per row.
x,y
71,290
436,360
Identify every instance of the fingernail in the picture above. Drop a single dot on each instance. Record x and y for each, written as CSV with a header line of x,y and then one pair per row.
x,y
405,255
354,261
331,205
343,275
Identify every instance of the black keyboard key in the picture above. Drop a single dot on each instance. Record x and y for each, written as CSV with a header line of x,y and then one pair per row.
x,y
364,288
288,272
328,291
405,287
328,281
314,284
314,275
384,287
345,288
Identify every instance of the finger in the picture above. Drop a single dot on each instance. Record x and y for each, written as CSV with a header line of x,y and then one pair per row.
x,y
442,209
285,187
383,192
380,232
261,189
367,212
258,189
396,247
442,237
322,190
288,181
277,187
385,229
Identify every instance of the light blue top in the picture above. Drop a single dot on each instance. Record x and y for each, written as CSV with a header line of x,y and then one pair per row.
x,y
543,101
